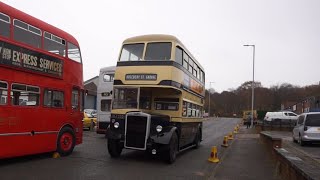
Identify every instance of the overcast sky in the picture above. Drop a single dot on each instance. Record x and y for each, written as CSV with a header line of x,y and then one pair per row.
x,y
286,34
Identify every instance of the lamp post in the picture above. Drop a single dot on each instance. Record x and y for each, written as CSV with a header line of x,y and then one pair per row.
x,y
252,86
209,98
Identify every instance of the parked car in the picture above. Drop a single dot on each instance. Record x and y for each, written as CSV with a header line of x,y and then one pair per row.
x,y
307,128
93,112
87,119
283,115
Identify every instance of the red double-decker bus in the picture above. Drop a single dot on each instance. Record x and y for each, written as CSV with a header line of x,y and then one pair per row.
x,y
41,86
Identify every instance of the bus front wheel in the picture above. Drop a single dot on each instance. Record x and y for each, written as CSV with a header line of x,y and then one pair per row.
x,y
66,141
114,148
171,153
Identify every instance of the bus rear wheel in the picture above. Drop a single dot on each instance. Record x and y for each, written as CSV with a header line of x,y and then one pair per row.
x,y
197,139
114,148
66,141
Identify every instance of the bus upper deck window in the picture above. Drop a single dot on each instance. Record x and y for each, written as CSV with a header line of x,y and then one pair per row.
x,y
74,52
108,77
132,52
158,51
54,44
5,25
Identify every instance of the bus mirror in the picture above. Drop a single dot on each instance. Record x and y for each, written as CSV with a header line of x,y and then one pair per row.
x,y
110,92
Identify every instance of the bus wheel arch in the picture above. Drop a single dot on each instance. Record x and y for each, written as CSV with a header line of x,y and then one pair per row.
x,y
171,153
66,140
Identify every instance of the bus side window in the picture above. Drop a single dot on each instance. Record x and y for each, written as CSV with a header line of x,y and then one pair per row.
x,y
27,33
3,93
82,100
184,109
75,99
5,25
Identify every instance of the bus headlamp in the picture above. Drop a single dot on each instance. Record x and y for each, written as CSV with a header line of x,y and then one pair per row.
x,y
116,125
159,128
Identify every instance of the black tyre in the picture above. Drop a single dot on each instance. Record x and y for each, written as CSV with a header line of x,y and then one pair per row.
x,y
197,139
114,148
66,141
171,153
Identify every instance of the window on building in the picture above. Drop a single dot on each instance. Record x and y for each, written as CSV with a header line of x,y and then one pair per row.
x,y
5,25
26,33
185,60
24,95
74,52
132,52
54,44
3,93
53,98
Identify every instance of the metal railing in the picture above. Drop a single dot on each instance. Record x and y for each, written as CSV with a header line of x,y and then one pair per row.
x,y
278,123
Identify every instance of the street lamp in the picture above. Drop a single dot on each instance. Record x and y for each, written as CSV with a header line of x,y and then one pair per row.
x,y
209,98
252,98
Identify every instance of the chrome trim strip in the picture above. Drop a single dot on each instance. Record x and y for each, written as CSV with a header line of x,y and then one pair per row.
x,y
46,132
28,133
16,134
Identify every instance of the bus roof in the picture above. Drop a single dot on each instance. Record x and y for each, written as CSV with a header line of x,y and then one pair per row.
x,y
160,38
109,68
15,13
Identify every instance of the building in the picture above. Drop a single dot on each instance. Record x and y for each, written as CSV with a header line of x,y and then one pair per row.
x,y
309,104
90,87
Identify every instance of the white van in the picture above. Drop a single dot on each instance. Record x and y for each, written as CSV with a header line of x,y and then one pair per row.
x,y
284,115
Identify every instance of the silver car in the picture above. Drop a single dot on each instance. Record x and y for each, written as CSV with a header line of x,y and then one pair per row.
x,y
307,128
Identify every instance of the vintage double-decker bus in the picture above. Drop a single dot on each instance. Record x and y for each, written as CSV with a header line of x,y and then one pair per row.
x,y
104,97
41,86
158,97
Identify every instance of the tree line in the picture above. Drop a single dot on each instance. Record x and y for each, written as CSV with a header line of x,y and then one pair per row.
x,y
235,101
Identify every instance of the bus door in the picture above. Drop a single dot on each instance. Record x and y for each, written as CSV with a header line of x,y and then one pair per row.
x,y
54,111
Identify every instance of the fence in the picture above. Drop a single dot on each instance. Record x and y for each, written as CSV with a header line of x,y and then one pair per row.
x,y
277,124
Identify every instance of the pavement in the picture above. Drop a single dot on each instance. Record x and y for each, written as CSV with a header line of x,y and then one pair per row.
x,y
246,158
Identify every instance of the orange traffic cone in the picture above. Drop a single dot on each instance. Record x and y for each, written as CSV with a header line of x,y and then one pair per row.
x,y
225,142
55,155
235,131
213,155
230,136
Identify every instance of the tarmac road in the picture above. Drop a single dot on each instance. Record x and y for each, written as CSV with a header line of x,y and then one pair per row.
x,y
91,160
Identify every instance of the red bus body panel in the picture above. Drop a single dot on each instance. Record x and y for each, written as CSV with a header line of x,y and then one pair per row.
x,y
30,130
